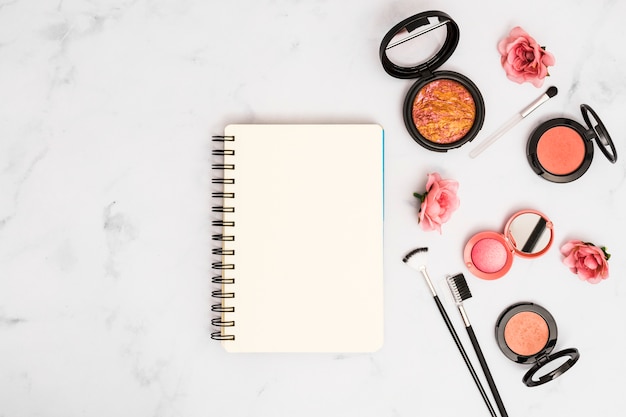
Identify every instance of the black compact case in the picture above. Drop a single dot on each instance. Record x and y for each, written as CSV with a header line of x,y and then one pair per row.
x,y
539,358
566,157
459,110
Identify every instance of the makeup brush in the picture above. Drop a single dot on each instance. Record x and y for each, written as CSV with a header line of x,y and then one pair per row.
x,y
550,92
417,260
461,292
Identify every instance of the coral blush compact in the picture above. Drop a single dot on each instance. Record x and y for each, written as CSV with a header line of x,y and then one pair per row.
x,y
527,333
560,150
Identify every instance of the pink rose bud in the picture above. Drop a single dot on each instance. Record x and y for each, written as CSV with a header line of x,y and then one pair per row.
x,y
586,260
438,202
523,59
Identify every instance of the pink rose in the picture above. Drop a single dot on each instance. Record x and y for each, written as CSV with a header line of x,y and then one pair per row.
x,y
586,260
438,202
523,59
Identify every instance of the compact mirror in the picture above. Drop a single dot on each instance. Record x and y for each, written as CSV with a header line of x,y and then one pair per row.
x,y
418,45
489,255
529,233
417,42
602,135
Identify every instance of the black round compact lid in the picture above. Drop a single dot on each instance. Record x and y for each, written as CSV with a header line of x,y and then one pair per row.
x,y
411,28
603,139
572,355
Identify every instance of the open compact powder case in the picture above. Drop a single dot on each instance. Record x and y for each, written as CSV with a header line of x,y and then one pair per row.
x,y
443,109
526,333
489,255
560,150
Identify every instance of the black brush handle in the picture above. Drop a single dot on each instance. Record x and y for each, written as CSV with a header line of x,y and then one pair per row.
x,y
457,341
486,371
530,244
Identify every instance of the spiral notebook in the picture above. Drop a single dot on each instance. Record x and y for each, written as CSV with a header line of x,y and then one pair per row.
x,y
299,238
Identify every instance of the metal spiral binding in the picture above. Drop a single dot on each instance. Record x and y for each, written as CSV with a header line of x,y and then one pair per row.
x,y
221,280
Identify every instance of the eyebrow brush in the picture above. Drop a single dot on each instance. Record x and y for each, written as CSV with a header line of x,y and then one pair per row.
x,y
417,260
461,292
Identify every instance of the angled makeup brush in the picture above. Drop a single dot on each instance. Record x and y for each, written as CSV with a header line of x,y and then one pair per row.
x,y
417,259
461,292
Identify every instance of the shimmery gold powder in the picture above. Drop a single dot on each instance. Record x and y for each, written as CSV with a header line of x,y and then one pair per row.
x,y
443,111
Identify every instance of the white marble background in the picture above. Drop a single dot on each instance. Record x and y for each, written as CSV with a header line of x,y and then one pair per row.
x,y
106,109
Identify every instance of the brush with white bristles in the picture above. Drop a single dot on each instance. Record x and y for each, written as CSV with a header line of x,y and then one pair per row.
x,y
417,259
550,92
461,292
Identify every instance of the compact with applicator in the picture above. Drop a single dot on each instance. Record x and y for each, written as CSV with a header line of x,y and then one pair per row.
x,y
561,150
489,255
443,109
527,333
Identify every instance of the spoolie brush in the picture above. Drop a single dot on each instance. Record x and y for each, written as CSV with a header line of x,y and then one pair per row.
x,y
461,292
417,259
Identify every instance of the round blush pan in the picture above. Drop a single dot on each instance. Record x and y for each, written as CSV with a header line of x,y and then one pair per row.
x,y
561,150
527,333
488,255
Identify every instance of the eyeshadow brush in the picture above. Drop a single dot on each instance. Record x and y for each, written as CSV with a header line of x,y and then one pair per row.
x,y
461,292
417,260
550,92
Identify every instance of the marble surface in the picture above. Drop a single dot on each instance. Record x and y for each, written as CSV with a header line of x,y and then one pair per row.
x,y
105,121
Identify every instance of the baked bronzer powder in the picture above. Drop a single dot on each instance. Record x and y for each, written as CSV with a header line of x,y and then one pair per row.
x,y
443,111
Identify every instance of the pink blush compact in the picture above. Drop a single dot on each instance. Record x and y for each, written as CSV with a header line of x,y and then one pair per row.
x,y
489,255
